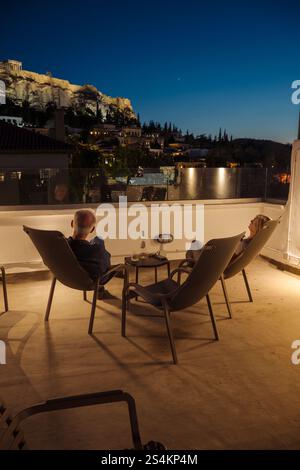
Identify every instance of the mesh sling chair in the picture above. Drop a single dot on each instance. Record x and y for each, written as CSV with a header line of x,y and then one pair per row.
x,y
12,437
169,296
3,279
240,262
61,261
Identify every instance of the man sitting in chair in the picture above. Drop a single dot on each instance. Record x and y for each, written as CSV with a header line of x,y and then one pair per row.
x,y
91,255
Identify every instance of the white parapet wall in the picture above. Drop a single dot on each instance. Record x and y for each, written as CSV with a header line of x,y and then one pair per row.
x,y
221,218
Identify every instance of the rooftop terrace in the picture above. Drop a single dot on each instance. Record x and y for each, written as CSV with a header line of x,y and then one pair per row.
x,y
240,392
237,393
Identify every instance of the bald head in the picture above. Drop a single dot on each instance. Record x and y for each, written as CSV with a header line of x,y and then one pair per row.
x,y
83,223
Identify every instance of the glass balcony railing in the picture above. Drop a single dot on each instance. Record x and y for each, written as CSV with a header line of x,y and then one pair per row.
x,y
83,185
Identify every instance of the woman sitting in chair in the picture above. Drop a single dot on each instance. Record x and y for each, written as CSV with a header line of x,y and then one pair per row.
x,y
254,227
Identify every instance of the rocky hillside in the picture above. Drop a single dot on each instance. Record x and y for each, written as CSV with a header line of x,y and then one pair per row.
x,y
39,90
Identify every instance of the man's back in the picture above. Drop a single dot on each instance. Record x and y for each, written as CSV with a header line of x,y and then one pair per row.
x,y
92,256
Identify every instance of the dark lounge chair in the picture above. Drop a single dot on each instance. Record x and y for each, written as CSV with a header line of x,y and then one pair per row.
x,y
239,263
169,296
12,437
3,279
61,261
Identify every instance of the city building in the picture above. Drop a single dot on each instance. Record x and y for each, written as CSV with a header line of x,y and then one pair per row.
x,y
153,140
131,135
125,135
25,149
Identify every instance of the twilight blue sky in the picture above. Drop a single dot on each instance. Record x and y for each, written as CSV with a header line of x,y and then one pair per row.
x,y
202,65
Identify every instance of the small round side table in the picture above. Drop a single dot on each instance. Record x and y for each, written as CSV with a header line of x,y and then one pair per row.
x,y
148,262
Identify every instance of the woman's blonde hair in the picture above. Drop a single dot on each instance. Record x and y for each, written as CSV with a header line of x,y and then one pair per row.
x,y
259,221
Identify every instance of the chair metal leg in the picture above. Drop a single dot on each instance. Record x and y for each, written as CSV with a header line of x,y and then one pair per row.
x,y
50,299
135,432
4,288
213,322
247,285
84,296
94,303
226,296
170,334
125,301
124,308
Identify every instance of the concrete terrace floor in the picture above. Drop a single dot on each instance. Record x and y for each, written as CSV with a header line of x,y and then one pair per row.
x,y
239,393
